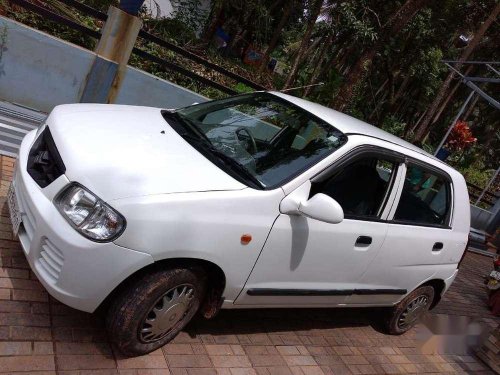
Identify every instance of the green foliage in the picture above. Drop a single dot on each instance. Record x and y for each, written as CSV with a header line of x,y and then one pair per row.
x,y
476,173
332,80
242,88
190,13
392,125
357,21
427,68
406,70
102,5
171,29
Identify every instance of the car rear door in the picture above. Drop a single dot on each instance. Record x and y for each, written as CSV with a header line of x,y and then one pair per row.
x,y
418,235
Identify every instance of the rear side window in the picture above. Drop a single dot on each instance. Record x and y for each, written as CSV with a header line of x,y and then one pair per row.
x,y
425,198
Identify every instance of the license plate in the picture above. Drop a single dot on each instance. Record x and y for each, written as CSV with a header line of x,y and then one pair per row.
x,y
495,275
15,215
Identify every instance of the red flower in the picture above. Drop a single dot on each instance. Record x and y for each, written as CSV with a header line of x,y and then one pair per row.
x,y
460,137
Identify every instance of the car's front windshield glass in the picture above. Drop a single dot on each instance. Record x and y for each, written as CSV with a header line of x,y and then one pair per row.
x,y
271,138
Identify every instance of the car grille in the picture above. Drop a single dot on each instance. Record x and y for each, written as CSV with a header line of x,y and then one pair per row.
x,y
44,162
51,259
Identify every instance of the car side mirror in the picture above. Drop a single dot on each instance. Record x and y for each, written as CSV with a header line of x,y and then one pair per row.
x,y
322,207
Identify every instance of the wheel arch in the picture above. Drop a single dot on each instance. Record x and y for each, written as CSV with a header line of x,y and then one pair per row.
x,y
215,288
439,286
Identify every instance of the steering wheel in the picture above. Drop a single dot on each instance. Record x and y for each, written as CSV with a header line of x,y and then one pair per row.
x,y
253,144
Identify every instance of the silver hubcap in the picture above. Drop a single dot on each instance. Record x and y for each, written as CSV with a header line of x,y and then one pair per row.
x,y
166,313
413,312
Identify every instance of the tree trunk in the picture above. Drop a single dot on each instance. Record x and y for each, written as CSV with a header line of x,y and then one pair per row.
x,y
400,92
317,66
410,127
315,10
216,15
358,73
471,107
379,103
276,34
448,98
381,87
424,126
326,66
275,5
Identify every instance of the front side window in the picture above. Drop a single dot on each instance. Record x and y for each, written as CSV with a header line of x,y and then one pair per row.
x,y
268,139
425,198
361,187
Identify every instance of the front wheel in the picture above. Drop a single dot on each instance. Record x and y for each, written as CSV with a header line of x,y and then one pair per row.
x,y
154,309
408,312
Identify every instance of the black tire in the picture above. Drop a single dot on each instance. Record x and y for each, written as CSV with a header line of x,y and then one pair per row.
x,y
132,309
395,323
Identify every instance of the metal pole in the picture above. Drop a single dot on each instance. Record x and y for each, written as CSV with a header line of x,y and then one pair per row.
x,y
487,186
492,69
472,86
454,122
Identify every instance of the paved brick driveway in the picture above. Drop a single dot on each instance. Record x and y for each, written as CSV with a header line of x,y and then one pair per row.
x,y
38,335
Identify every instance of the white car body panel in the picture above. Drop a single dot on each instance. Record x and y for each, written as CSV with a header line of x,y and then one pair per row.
x,y
204,226
178,204
96,141
85,278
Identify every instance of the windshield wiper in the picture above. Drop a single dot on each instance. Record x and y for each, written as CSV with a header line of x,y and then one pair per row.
x,y
237,167
188,124
204,142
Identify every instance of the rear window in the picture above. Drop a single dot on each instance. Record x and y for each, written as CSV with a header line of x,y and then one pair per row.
x,y
425,199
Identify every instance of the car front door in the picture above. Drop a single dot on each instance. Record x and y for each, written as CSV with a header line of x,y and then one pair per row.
x,y
310,262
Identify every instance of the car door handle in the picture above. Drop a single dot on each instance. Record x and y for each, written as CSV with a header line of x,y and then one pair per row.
x,y
437,246
363,241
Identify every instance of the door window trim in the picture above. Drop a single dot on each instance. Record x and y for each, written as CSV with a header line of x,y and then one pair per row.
x,y
449,195
390,209
355,154
397,185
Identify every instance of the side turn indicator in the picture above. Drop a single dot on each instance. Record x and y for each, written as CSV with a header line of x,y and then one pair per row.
x,y
245,239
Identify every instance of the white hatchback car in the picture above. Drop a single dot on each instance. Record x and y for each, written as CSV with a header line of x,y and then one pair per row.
x,y
259,200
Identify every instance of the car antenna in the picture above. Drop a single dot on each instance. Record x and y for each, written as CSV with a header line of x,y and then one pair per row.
x,y
302,87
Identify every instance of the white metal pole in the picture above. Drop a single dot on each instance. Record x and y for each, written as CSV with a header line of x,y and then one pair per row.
x,y
487,186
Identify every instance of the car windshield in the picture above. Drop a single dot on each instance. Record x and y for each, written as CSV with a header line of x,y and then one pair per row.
x,y
269,139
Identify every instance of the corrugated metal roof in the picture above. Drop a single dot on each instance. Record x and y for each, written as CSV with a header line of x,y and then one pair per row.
x,y
15,122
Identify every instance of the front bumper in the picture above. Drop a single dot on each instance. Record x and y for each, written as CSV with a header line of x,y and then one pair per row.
x,y
74,270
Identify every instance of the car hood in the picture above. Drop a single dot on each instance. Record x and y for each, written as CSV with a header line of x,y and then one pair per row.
x,y
125,151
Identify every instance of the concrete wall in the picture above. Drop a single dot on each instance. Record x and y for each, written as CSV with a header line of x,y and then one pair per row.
x,y
39,71
141,88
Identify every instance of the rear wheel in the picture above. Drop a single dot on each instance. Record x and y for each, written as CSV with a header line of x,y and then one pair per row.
x,y
154,309
408,312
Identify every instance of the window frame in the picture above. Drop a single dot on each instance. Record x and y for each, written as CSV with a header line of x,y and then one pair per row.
x,y
389,207
449,195
360,152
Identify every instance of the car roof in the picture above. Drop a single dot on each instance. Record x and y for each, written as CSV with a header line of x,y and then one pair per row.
x,y
350,125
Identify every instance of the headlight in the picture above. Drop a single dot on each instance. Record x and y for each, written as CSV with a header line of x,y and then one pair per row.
x,y
89,215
